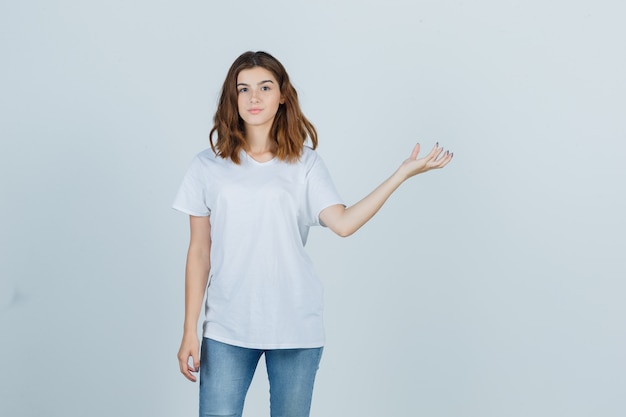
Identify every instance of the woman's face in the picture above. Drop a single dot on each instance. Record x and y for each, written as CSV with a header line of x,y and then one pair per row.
x,y
258,97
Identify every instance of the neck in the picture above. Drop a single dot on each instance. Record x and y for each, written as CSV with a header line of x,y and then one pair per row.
x,y
258,140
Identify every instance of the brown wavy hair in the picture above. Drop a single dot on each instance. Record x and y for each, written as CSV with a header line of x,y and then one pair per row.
x,y
290,128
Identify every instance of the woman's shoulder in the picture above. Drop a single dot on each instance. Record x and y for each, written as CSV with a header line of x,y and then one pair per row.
x,y
206,155
206,158
309,155
311,160
204,161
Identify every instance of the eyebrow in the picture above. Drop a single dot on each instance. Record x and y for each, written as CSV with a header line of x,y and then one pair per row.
x,y
262,82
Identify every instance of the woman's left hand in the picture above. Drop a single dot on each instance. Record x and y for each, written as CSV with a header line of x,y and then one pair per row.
x,y
436,159
346,220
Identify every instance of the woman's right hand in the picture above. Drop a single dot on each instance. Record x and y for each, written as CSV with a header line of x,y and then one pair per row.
x,y
189,348
196,279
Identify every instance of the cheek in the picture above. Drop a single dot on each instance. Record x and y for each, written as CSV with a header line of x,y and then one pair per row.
x,y
240,103
278,101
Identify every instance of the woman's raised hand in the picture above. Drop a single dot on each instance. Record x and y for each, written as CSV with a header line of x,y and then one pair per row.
x,y
436,159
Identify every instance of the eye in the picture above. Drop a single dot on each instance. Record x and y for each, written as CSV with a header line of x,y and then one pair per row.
x,y
265,88
243,89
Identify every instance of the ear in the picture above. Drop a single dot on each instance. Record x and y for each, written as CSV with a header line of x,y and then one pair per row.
x,y
282,99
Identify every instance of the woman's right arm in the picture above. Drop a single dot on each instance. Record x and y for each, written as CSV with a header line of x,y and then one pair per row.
x,y
196,277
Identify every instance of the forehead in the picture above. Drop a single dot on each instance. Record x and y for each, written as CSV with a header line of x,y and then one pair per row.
x,y
255,75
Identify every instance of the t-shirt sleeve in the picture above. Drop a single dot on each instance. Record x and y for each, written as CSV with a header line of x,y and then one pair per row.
x,y
191,196
320,191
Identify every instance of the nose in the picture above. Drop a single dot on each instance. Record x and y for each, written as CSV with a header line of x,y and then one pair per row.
x,y
253,97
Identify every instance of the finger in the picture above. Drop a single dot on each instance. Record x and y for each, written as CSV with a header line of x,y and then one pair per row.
x,y
447,161
437,153
187,373
443,161
190,373
434,152
186,369
190,376
196,361
416,151
182,364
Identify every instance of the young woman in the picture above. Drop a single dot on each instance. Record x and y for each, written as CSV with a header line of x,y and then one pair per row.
x,y
252,198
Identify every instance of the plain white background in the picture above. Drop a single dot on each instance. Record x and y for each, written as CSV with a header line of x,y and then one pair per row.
x,y
494,287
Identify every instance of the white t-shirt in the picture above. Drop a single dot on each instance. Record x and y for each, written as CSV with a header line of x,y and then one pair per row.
x,y
263,292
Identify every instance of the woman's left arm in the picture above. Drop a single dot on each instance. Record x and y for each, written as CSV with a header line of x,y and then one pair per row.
x,y
345,221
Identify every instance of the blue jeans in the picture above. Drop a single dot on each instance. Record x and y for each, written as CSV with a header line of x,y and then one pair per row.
x,y
226,373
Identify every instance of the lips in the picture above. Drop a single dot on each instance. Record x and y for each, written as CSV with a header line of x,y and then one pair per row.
x,y
255,111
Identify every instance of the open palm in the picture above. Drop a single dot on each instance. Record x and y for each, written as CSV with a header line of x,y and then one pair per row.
x,y
436,159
